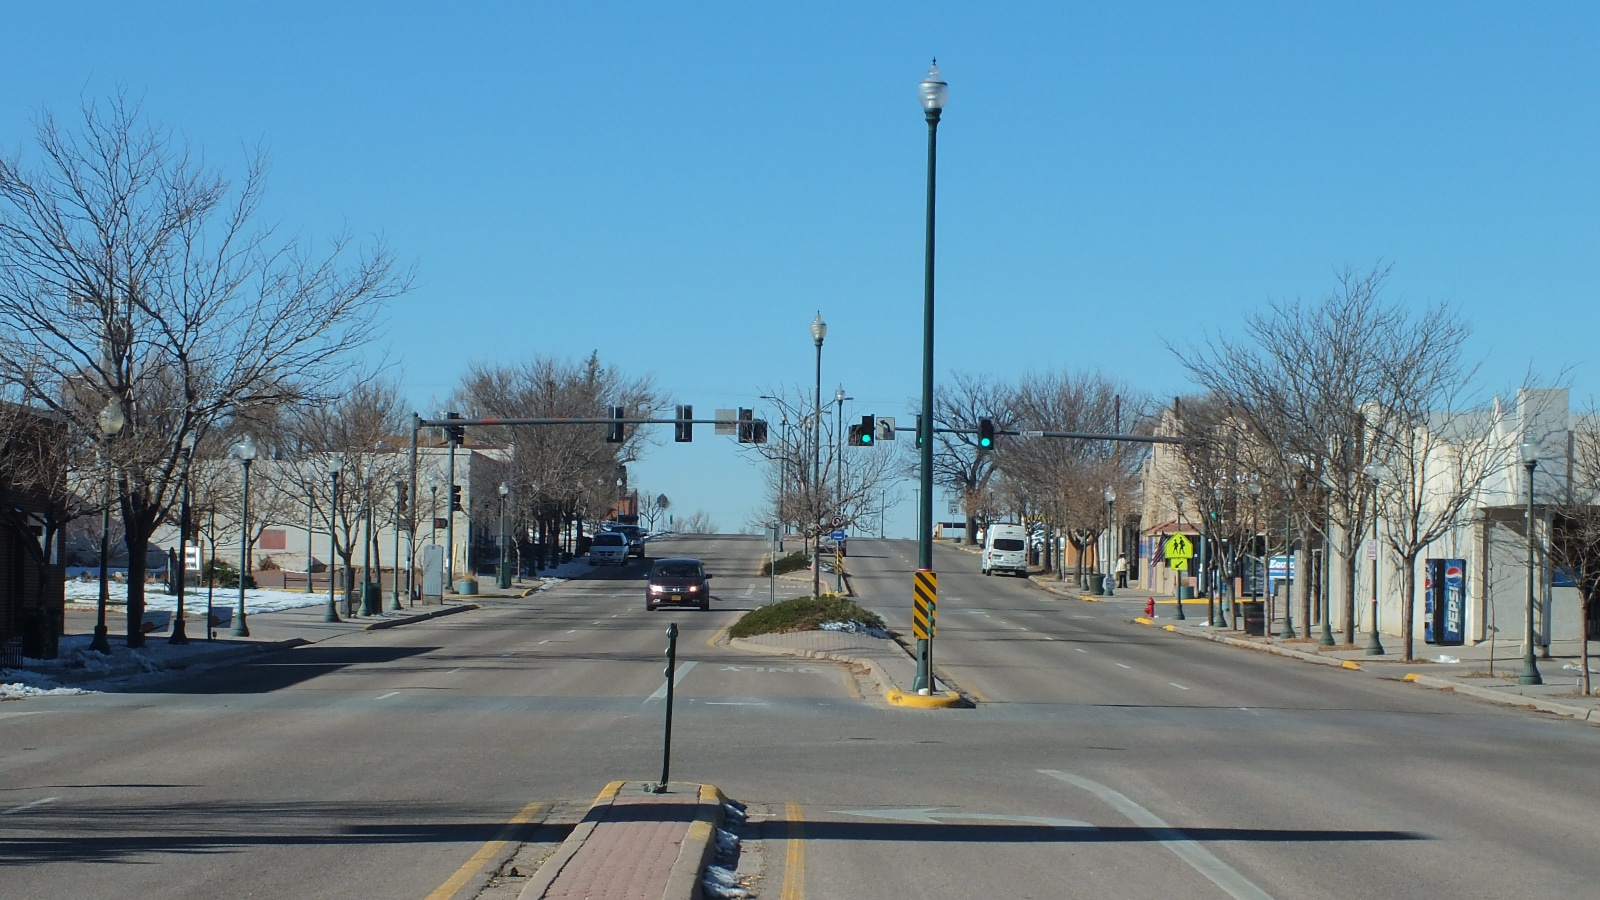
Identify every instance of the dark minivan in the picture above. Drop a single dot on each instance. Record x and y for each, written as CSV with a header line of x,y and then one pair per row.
x,y
678,581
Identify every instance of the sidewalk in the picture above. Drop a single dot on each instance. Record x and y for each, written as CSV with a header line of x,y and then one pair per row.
x,y
274,627
635,844
1468,670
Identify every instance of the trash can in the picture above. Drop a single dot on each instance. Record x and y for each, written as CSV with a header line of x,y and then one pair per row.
x,y
371,599
1185,592
467,586
1254,613
503,579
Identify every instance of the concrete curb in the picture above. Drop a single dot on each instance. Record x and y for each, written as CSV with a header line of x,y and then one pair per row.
x,y
1577,713
699,847
910,701
422,617
220,655
942,700
1260,648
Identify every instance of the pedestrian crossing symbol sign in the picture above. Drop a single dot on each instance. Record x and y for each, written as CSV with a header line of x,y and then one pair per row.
x,y
1178,547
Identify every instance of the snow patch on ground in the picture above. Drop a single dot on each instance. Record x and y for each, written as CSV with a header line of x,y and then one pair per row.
x,y
854,628
156,599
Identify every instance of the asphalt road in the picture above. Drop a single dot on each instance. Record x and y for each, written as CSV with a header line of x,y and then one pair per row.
x,y
1102,759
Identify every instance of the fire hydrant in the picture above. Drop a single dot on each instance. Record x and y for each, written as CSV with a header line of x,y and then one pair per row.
x,y
1150,608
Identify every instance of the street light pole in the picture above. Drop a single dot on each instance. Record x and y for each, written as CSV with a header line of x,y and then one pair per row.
x,y
1288,632
331,614
1258,568
245,453
819,330
505,572
398,487
838,478
1177,593
180,634
1530,667
1375,644
110,421
933,92
1111,497
1219,618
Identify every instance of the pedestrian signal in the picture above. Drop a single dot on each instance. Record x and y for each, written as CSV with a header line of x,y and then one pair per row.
x,y
684,428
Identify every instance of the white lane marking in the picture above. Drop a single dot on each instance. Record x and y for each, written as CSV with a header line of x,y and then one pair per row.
x,y
452,671
1199,858
573,631
390,694
732,703
17,809
545,641
1125,666
595,622
1080,649
748,592
30,712
1177,685
661,692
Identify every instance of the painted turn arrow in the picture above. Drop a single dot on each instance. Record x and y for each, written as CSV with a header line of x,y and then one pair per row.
x,y
929,816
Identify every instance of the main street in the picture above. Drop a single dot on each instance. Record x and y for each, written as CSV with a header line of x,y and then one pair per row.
x,y
1102,758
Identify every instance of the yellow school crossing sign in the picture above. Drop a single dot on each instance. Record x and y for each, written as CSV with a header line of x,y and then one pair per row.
x,y
1178,550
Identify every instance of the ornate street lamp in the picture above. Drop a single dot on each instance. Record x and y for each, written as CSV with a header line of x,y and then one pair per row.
x,y
245,453
1219,619
933,92
819,330
1111,497
110,421
1530,668
1375,476
180,635
505,567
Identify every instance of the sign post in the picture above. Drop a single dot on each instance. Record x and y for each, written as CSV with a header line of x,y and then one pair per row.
x,y
1178,550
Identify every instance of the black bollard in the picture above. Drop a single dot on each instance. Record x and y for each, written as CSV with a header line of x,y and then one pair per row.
x,y
666,742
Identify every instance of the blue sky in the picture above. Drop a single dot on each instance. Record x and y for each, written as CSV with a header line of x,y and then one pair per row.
x,y
683,186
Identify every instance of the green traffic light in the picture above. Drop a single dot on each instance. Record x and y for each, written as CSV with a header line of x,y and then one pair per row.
x,y
866,439
985,442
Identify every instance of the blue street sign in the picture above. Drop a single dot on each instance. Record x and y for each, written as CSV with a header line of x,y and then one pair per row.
x,y
838,535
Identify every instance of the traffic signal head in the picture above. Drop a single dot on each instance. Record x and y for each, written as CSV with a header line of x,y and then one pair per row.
x,y
455,498
746,425
684,429
401,498
862,435
455,434
985,434
614,430
758,431
920,438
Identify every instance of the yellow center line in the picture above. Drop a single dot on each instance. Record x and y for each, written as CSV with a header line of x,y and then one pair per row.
x,y
794,865
448,889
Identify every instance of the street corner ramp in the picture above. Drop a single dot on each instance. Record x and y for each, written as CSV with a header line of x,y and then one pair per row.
x,y
638,839
941,700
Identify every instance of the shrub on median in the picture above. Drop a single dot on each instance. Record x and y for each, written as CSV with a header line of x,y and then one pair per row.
x,y
794,562
804,614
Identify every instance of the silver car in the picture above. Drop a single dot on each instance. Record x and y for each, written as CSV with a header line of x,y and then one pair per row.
x,y
609,548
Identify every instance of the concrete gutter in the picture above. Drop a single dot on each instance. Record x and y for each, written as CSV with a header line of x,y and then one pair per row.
x,y
422,617
1576,713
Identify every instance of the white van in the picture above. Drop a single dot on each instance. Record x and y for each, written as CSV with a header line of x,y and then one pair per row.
x,y
1005,549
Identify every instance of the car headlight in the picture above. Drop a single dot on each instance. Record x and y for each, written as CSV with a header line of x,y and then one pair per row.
x,y
657,589
693,588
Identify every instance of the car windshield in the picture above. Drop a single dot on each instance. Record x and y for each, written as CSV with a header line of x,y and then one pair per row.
x,y
1007,544
677,570
609,540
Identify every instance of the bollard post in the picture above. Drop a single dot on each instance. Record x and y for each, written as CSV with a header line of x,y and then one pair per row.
x,y
666,742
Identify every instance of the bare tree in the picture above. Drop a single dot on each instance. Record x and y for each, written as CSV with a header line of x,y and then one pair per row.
x,y
959,464
132,275
697,523
1575,535
1306,380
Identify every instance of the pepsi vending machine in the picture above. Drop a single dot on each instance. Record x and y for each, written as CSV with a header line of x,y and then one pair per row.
x,y
1445,598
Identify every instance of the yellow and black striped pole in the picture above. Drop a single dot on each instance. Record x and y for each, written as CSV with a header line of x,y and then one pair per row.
x,y
924,623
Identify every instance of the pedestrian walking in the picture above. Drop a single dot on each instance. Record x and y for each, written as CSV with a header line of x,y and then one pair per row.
x,y
1121,570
